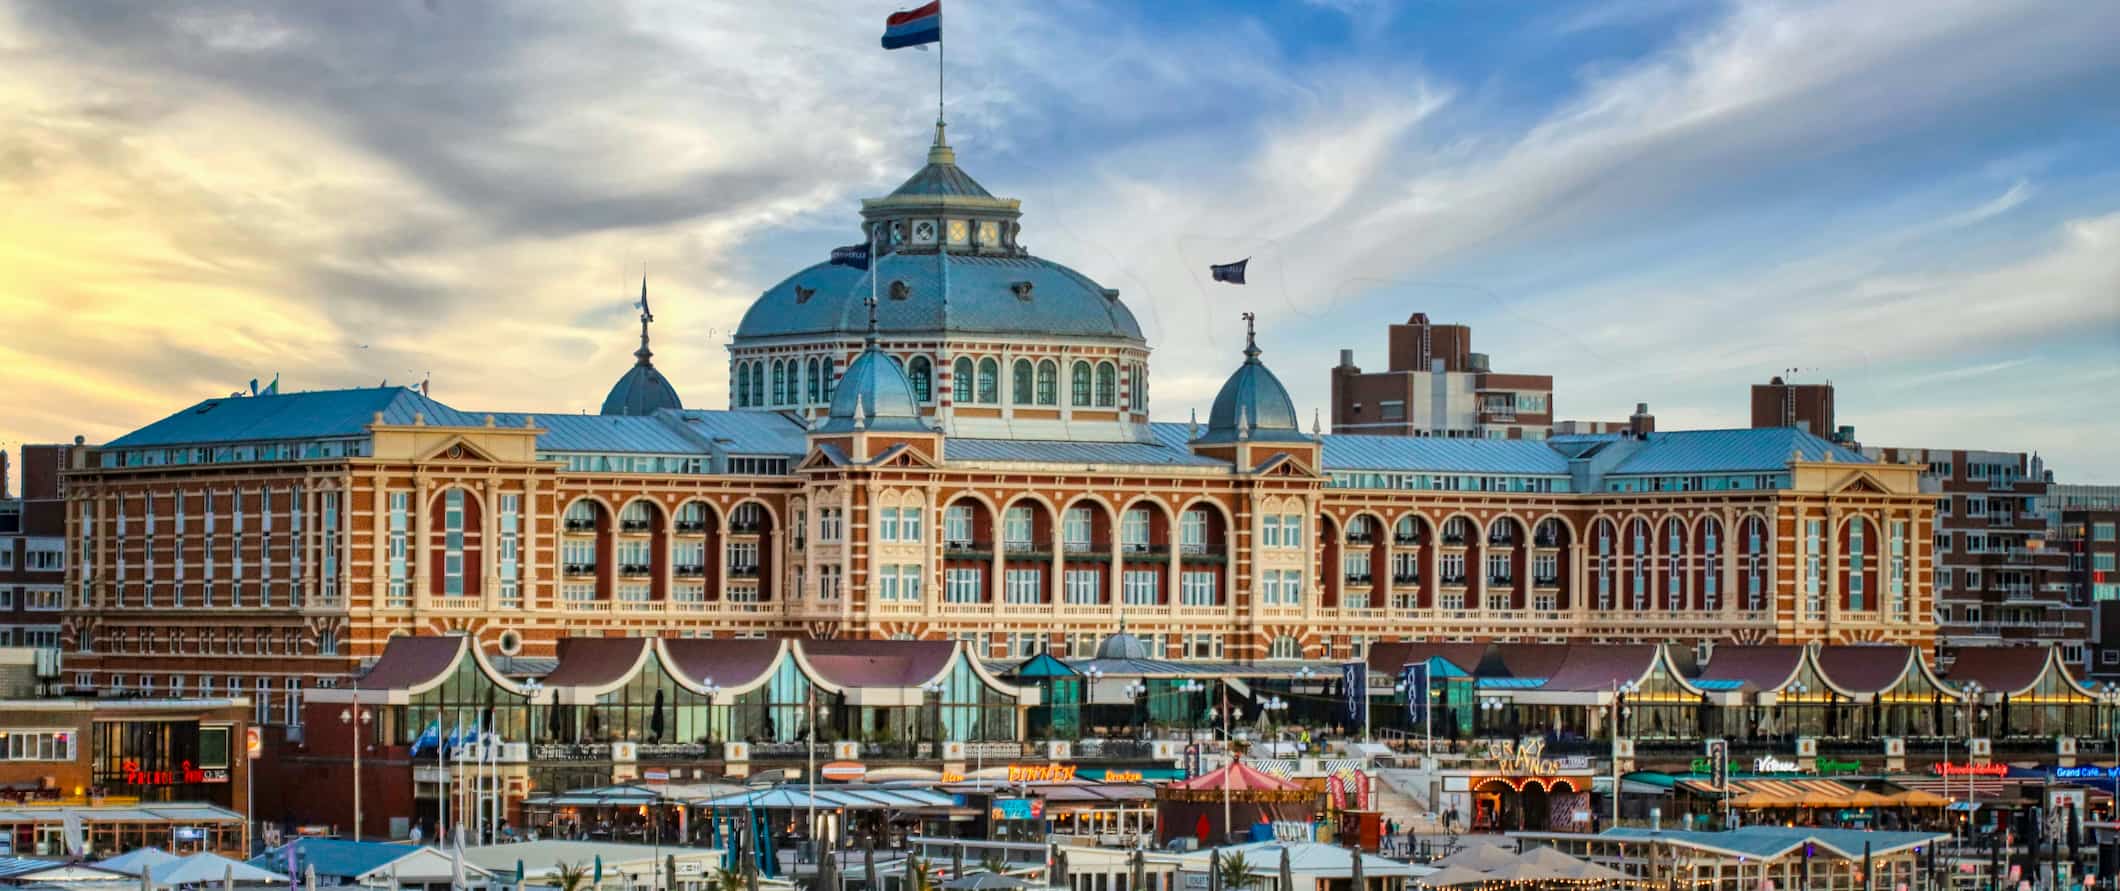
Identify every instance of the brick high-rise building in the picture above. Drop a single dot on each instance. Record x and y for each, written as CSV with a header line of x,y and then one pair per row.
x,y
1778,403
1437,386
33,551
2083,522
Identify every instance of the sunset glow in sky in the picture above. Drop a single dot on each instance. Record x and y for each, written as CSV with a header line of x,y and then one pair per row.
x,y
1653,201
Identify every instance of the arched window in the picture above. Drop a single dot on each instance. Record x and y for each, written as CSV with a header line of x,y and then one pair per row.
x,y
961,380
742,385
1020,393
1081,376
989,381
810,369
923,375
1137,386
758,384
1107,385
824,386
1048,382
780,383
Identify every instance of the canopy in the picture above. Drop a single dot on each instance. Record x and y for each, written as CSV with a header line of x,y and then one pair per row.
x,y
1240,777
206,867
985,881
860,799
1526,871
138,860
1479,857
1451,876
1918,798
600,796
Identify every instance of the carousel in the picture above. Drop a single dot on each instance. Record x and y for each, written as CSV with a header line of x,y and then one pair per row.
x,y
1207,807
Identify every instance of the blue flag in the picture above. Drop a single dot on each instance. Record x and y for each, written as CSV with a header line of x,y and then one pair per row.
x,y
428,738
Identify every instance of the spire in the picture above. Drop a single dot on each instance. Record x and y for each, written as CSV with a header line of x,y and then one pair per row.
x,y
1251,339
643,354
1316,429
940,152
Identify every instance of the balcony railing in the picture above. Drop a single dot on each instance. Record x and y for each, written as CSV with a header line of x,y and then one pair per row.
x,y
1405,578
1458,580
1454,540
690,572
1406,540
578,569
1360,538
691,527
636,570
746,528
743,572
581,525
635,525
1359,578
1547,581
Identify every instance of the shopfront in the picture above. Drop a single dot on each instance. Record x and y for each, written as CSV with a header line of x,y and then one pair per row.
x,y
1519,788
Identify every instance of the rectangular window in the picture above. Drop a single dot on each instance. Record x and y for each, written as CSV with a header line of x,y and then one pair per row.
x,y
1813,567
1453,568
743,558
909,524
1198,589
510,557
1192,532
887,583
957,525
887,524
1139,587
1016,529
1023,585
1133,530
963,585
2101,531
1081,586
830,524
453,543
1855,566
1075,530
328,532
400,547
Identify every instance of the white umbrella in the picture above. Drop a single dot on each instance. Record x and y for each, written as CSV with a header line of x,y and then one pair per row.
x,y
228,880
456,862
309,877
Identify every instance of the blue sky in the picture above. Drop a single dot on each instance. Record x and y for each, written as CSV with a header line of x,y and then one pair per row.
x,y
1657,201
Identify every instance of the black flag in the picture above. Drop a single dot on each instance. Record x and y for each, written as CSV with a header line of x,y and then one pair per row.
x,y
1230,272
855,255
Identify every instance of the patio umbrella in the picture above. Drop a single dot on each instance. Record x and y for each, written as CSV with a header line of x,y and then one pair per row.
x,y
1867,798
1288,872
1355,877
1865,865
957,859
147,881
1451,877
1140,870
868,853
1059,876
309,877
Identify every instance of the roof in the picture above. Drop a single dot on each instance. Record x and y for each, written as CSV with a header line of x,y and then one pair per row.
x,y
747,432
849,797
1593,668
1122,646
1773,841
596,661
189,812
1305,858
1043,665
1755,668
1442,455
874,394
941,177
726,663
1058,452
205,867
1724,451
1872,668
982,299
641,390
317,414
1389,657
137,859
878,663
1999,669
543,856
653,434
335,858
1253,405
412,660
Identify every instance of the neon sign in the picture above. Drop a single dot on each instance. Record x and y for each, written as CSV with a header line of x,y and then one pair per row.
x,y
1948,769
1041,773
1774,764
184,774
2085,772
1831,767
1527,758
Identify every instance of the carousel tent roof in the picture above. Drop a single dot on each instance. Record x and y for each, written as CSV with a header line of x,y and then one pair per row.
x,y
1453,876
1240,777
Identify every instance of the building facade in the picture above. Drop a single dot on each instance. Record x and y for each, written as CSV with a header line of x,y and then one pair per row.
x,y
1998,577
33,550
1779,403
1435,385
971,460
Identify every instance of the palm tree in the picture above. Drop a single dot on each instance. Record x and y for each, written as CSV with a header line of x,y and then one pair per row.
x,y
917,877
726,880
994,863
1236,871
572,876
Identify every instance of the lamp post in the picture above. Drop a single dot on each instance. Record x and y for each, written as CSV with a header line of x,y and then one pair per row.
x,y
1186,690
1619,691
1491,712
531,689
1972,706
355,718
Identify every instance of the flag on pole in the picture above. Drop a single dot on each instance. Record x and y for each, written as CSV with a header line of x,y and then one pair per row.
x,y
855,255
432,736
1232,273
914,27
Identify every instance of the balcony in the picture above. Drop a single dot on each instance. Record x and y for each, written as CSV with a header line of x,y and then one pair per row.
x,y
1405,580
581,525
752,528
1493,580
693,571
581,606
691,527
1545,541
1140,553
1361,538
1406,541
465,603
1361,578
578,569
1083,549
636,570
640,606
744,572
1455,541
1457,581
636,526
967,550
1025,550
1546,581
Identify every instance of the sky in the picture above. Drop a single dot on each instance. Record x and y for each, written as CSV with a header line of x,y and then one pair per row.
x,y
1660,201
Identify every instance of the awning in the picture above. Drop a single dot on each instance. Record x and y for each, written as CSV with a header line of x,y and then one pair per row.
x,y
780,798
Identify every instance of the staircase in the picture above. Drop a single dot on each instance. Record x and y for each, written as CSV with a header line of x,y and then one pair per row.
x,y
1401,795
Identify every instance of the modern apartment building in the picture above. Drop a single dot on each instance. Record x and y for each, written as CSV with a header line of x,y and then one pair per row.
x,y
1779,403
1999,577
33,550
1436,385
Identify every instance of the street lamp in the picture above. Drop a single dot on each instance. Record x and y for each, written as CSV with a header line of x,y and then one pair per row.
x,y
355,719
1186,691
1490,711
1619,693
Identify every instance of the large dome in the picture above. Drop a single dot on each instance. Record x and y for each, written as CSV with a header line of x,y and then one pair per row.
x,y
988,295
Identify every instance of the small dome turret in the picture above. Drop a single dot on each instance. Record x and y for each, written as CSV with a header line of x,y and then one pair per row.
x,y
642,390
874,394
1252,404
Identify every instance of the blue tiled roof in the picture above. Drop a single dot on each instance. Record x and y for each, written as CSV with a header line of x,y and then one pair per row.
x,y
1076,452
1730,451
622,434
748,432
1061,301
293,416
1434,454
335,858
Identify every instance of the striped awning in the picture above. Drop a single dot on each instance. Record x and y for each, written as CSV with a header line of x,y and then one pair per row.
x,y
1957,787
1781,793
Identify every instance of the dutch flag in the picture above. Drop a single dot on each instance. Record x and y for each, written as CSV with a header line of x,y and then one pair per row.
x,y
913,28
